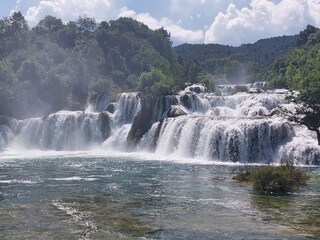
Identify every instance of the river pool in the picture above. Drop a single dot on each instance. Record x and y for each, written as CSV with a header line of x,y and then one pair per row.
x,y
88,195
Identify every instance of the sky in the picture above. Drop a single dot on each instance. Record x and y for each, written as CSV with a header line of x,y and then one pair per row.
x,y
228,22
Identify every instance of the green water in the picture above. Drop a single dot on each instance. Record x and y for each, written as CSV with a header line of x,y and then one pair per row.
x,y
122,197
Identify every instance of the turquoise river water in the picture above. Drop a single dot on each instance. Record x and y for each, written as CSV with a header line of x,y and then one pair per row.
x,y
86,195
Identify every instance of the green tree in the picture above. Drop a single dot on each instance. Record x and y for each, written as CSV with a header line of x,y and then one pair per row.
x,y
13,33
49,24
307,109
86,26
29,71
155,81
103,85
208,81
304,35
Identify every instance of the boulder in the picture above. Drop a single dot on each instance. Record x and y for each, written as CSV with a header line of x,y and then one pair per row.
x,y
176,111
142,121
111,108
105,125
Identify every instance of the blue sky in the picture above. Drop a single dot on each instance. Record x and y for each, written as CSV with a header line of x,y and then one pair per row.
x,y
230,22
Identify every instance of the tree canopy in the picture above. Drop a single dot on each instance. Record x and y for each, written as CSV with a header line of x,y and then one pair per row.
x,y
56,65
300,72
230,65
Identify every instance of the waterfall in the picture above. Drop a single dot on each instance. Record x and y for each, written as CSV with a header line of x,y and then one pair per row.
x,y
63,130
194,103
6,136
231,140
97,103
7,131
191,124
162,105
128,106
124,110
117,140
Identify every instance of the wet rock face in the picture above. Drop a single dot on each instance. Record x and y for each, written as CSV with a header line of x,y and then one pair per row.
x,y
186,100
196,89
176,111
142,121
111,108
105,125
153,109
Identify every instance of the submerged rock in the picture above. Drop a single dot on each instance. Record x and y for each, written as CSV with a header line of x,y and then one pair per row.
x,y
111,107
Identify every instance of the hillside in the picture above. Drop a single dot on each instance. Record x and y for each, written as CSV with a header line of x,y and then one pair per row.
x,y
57,65
227,64
300,68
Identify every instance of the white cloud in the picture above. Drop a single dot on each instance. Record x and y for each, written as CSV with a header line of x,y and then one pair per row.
x,y
194,21
68,9
314,11
185,6
262,19
177,32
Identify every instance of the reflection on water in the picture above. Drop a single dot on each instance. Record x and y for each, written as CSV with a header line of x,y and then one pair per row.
x,y
123,198
298,211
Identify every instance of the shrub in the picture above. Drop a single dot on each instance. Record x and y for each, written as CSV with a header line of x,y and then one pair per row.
x,y
274,180
242,176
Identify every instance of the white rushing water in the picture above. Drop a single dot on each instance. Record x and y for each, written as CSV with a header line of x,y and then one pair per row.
x,y
237,128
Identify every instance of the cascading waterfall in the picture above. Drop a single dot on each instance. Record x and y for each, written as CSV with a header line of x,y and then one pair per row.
x,y
63,130
7,131
236,128
223,139
6,136
98,103
128,106
162,105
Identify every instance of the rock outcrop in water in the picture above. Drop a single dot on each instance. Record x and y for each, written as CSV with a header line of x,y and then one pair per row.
x,y
175,111
105,125
153,109
142,122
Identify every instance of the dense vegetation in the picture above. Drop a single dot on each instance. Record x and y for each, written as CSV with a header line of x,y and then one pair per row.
x,y
306,110
227,64
56,65
300,69
291,62
274,180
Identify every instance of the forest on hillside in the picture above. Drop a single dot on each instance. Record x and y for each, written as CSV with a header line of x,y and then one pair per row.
x,y
57,65
227,64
